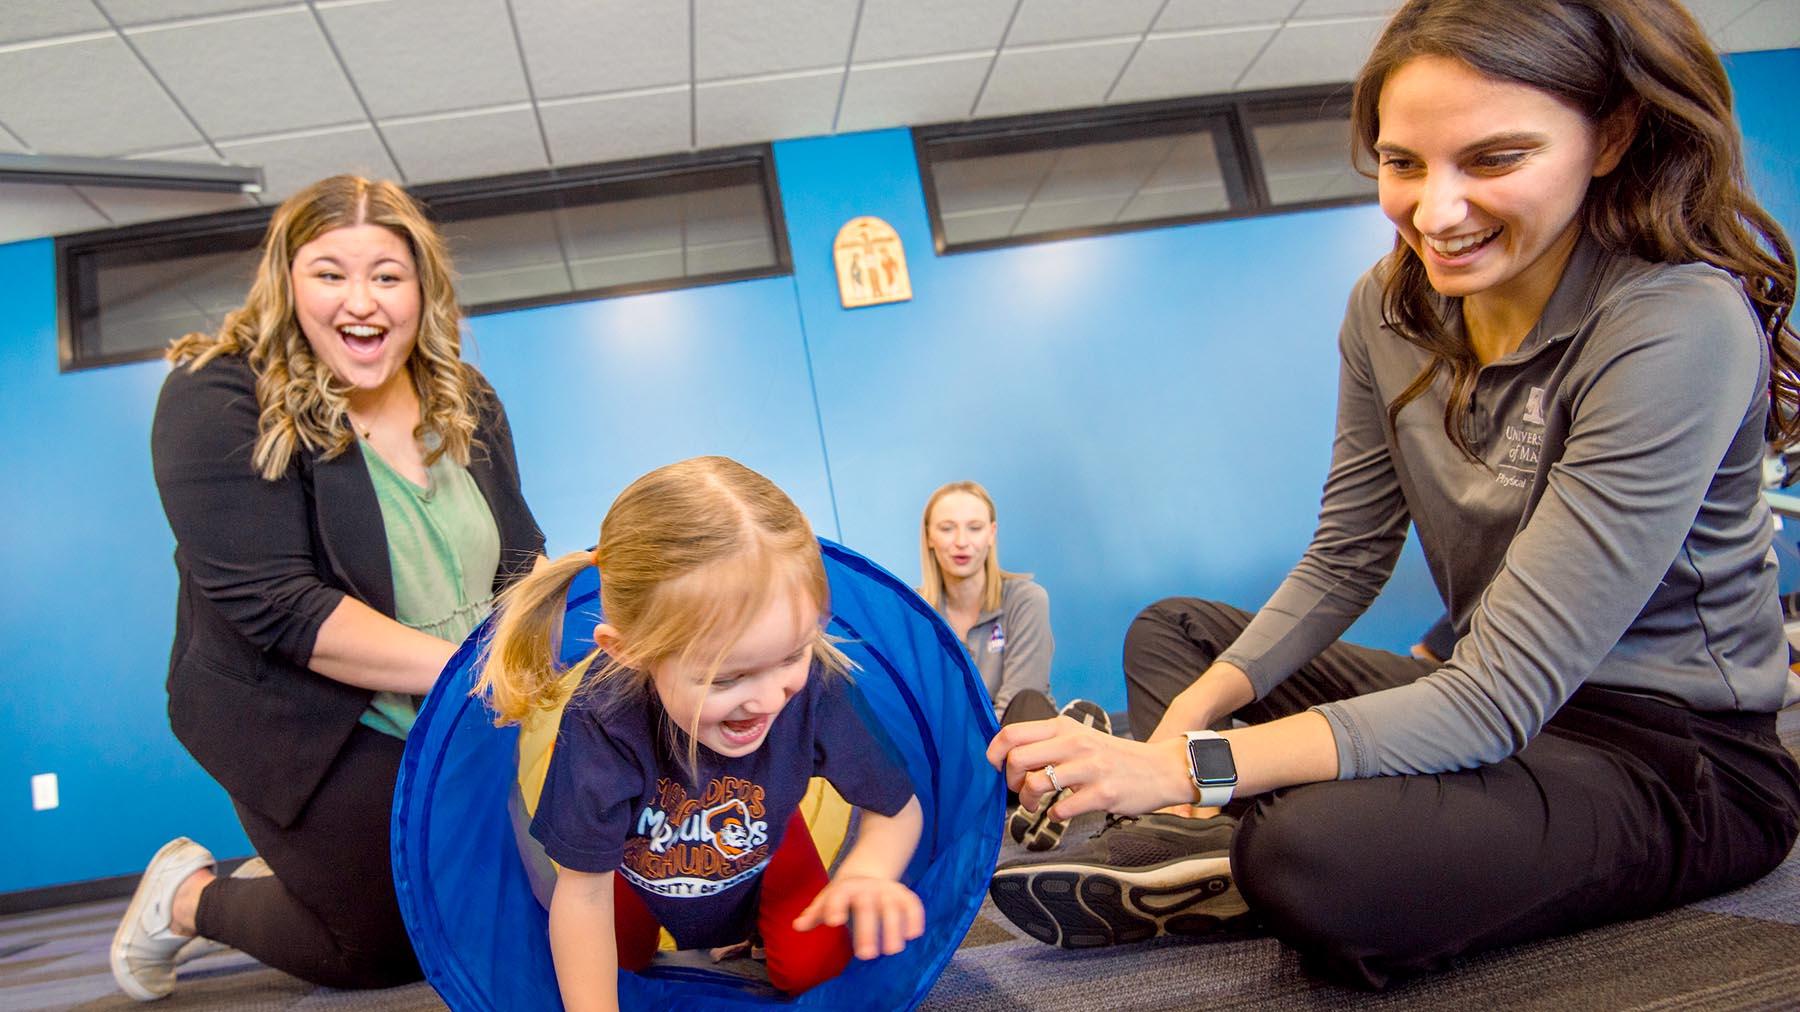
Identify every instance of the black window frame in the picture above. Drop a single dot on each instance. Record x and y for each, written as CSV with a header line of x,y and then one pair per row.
x,y
446,204
1233,115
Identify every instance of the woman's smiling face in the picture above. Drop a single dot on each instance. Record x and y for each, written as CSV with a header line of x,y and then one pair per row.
x,y
356,297
1485,178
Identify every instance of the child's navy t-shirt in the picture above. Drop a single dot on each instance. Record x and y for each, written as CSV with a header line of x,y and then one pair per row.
x,y
616,798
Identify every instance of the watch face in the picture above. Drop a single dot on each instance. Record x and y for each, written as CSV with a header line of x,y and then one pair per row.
x,y
1212,761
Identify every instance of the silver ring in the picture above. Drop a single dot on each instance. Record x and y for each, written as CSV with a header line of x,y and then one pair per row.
x,y
1049,771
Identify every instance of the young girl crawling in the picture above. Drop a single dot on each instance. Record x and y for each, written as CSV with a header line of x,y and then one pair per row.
x,y
712,698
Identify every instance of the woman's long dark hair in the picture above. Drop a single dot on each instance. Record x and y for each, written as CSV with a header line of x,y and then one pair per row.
x,y
1677,196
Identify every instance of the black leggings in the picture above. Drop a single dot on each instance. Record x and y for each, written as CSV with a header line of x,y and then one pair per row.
x,y
328,914
1621,806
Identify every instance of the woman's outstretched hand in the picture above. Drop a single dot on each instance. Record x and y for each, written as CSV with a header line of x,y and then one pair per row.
x,y
1103,773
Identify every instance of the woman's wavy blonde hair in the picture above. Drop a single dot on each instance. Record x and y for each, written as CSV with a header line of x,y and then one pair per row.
x,y
302,403
690,554
933,575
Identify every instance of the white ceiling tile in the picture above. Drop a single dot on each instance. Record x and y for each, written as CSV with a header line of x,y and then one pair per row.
x,y
1060,77
1185,14
1320,52
35,210
739,38
251,76
582,47
744,112
1346,8
292,162
911,94
895,29
126,205
1714,15
614,127
1190,64
456,54
43,19
87,98
1065,20
1772,24
141,12
467,146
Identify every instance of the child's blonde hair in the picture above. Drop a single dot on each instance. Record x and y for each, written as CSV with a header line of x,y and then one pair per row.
x,y
689,556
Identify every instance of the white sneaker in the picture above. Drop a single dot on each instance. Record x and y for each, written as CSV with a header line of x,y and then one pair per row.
x,y
197,947
143,949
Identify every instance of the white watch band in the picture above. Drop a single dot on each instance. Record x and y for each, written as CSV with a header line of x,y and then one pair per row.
x,y
1210,796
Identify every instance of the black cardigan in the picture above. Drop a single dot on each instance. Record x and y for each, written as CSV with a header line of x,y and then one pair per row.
x,y
262,563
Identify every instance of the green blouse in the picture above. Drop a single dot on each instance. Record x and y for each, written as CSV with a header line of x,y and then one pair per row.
x,y
443,551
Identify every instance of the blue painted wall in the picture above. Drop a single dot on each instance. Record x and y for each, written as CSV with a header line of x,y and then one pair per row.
x,y
1151,410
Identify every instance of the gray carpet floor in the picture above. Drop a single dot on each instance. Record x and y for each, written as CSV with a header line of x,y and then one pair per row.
x,y
1735,952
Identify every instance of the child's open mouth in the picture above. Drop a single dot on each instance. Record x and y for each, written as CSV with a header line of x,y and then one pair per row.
x,y
738,733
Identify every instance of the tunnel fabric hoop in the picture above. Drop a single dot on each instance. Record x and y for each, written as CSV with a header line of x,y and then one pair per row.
x,y
482,937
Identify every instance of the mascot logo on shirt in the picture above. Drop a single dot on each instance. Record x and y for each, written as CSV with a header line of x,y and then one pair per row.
x,y
698,845
733,832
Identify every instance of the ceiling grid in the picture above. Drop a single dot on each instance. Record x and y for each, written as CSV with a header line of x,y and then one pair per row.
x,y
356,91
427,90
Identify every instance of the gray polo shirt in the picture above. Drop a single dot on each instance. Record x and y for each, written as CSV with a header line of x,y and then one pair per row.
x,y
1617,535
1012,645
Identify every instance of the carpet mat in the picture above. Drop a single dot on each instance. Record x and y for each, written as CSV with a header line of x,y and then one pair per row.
x,y
1731,953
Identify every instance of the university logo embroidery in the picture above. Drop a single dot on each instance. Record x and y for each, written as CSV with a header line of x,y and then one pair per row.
x,y
1524,443
997,639
698,846
1534,407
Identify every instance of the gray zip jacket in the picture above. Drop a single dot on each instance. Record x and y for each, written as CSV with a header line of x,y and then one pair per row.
x,y
1012,645
1617,535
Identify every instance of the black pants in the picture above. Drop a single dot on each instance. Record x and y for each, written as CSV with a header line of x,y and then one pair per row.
x,y
328,915
1620,807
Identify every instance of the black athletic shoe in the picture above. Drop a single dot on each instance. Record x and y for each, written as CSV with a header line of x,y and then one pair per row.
x,y
1138,877
1038,829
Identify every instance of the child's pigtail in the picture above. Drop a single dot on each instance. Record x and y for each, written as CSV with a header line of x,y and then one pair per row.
x,y
520,676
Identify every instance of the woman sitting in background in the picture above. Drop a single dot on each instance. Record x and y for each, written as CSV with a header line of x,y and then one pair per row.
x,y
1003,619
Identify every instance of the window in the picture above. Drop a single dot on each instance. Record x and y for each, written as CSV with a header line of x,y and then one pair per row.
x,y
517,241
1056,176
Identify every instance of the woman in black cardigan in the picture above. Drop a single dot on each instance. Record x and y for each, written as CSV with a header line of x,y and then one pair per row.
x,y
340,486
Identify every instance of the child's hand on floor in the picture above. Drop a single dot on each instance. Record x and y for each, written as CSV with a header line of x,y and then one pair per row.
x,y
883,914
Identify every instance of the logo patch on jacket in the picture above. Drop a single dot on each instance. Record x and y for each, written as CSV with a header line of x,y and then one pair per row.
x,y
997,639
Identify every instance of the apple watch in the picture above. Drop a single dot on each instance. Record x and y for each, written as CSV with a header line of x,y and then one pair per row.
x,y
1211,766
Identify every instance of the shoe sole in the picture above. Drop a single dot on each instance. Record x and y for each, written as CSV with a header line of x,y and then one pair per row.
x,y
1043,831
1075,906
121,970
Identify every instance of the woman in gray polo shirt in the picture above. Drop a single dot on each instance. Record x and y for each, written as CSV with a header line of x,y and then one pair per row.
x,y
1562,378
